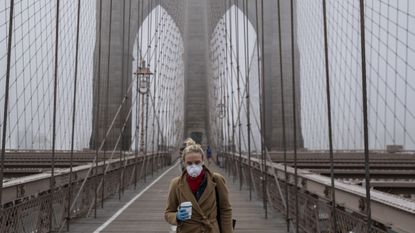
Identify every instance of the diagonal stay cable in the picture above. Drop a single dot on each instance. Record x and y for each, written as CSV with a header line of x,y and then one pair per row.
x,y
262,139
111,157
103,142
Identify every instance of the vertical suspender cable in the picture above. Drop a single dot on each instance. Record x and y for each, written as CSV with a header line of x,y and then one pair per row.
x,y
154,84
238,88
294,118
155,79
97,114
232,107
148,64
259,55
136,130
217,85
142,139
123,87
137,126
139,47
284,138
68,216
365,117
405,130
107,98
222,94
159,73
226,89
220,75
6,99
122,91
146,101
263,147
258,51
229,126
326,53
225,93
55,98
124,78
169,115
138,102
141,28
247,87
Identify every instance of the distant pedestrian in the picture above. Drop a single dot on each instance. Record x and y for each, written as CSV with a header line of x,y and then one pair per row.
x,y
197,197
209,154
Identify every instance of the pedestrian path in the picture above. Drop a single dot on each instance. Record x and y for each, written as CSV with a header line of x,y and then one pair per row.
x,y
145,211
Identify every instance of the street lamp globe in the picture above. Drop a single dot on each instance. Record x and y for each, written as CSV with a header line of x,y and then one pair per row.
x,y
143,74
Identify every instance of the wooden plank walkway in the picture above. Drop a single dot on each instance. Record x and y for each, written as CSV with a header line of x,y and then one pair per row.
x,y
146,212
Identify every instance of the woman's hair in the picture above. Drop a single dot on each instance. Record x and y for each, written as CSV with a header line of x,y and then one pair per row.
x,y
186,142
193,148
189,142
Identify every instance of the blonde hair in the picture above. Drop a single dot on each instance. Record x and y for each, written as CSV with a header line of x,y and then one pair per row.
x,y
193,148
189,141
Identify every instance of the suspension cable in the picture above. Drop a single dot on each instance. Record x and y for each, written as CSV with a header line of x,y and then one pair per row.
x,y
365,115
108,89
226,96
155,80
263,147
128,77
68,214
326,53
247,87
55,95
294,117
6,99
232,107
97,115
284,137
137,124
147,96
222,92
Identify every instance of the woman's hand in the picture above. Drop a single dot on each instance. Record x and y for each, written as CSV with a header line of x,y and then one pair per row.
x,y
182,214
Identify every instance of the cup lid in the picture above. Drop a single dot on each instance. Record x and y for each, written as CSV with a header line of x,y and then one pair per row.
x,y
186,203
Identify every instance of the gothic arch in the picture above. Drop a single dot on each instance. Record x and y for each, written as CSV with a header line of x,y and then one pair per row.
x,y
273,117
118,78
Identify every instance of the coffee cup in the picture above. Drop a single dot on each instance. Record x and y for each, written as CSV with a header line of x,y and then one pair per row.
x,y
187,205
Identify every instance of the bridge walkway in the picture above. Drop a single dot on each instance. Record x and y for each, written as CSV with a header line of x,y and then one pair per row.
x,y
144,212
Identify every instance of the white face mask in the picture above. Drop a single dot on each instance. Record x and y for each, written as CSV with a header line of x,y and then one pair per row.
x,y
194,170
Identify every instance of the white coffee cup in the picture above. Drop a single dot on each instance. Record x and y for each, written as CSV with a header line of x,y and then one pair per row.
x,y
187,205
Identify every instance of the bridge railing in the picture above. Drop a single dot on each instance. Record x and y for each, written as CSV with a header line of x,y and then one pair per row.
x,y
391,213
27,207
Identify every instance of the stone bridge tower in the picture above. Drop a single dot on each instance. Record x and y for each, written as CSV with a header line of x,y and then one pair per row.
x,y
196,20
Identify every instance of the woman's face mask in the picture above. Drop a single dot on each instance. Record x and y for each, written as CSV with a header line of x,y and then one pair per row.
x,y
194,170
194,164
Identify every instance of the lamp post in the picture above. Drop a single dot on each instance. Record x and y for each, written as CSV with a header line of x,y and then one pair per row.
x,y
143,87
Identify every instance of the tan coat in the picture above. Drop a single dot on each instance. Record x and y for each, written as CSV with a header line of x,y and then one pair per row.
x,y
204,211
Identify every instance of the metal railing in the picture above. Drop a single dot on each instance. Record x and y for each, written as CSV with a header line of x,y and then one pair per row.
x,y
390,213
28,200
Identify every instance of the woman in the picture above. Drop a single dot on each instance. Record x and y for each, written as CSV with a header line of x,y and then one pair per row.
x,y
198,185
